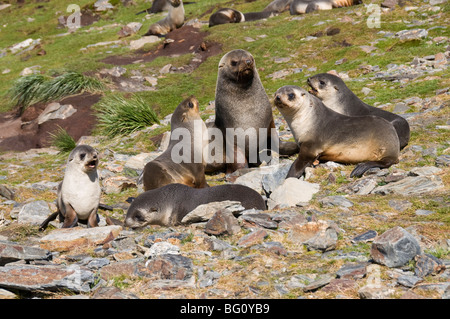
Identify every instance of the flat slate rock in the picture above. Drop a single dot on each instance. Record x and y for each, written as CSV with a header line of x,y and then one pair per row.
x,y
11,252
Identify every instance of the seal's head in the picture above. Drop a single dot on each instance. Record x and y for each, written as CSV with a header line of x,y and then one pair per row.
x,y
188,110
290,99
325,86
175,3
85,157
238,66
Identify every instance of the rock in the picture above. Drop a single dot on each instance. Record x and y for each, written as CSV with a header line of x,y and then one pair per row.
x,y
424,212
375,292
352,271
205,212
333,201
414,34
117,184
55,111
408,281
400,205
320,235
394,248
167,266
361,186
130,29
261,219
11,252
389,4
411,186
319,283
365,237
292,192
116,71
112,293
427,265
28,43
137,44
165,69
103,5
271,181
65,239
7,192
45,278
162,248
339,286
34,213
121,268
216,244
253,238
222,223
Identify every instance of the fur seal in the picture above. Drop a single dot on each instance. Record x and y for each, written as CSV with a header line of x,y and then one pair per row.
x,y
168,205
174,20
163,170
79,192
159,6
278,6
337,96
228,15
307,6
326,135
242,103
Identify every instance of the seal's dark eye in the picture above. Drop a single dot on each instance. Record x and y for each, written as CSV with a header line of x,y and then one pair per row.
x,y
322,82
191,105
291,96
234,63
82,156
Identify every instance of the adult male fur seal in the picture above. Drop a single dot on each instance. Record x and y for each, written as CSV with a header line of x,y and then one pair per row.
x,y
79,192
306,6
168,205
172,21
242,103
228,15
326,135
333,92
171,166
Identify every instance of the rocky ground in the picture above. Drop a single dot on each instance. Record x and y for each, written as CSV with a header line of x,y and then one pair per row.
x,y
382,236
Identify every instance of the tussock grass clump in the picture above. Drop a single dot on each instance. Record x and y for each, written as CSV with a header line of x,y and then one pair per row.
x,y
119,116
36,88
62,140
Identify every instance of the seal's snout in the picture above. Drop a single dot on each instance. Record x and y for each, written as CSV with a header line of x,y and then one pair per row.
x,y
277,98
248,62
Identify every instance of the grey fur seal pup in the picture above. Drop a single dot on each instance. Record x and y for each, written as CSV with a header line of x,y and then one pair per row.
x,y
159,6
228,15
168,205
174,20
307,6
163,170
79,192
242,103
333,92
278,6
326,135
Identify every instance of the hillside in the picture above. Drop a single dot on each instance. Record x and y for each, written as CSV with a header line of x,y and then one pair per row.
x,y
321,248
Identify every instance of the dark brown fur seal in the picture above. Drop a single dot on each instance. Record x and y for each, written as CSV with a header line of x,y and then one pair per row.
x,y
337,96
228,15
168,205
326,135
174,20
242,103
163,170
79,192
306,6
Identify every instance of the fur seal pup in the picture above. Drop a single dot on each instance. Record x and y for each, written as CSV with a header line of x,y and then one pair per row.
x,y
278,6
168,205
190,170
242,103
333,92
228,15
326,135
159,6
79,192
174,20
307,6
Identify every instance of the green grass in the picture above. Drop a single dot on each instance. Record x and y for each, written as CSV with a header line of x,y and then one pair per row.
x,y
119,116
62,141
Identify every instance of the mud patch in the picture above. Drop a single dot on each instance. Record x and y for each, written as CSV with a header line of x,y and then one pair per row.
x,y
21,133
184,40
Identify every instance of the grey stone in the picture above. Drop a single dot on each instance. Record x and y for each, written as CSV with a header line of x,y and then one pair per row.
x,y
394,248
427,265
271,181
7,192
261,219
323,241
253,238
56,111
11,252
319,283
292,192
411,186
408,281
162,248
414,34
222,222
443,160
34,213
352,271
336,201
167,267
205,212
365,237
424,212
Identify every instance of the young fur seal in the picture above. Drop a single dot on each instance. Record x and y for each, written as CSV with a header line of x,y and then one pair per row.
x,y
164,170
337,96
172,21
79,192
168,205
228,15
242,103
278,6
324,134
307,6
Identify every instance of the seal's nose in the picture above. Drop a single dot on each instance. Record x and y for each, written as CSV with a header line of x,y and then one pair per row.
x,y
277,98
249,62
